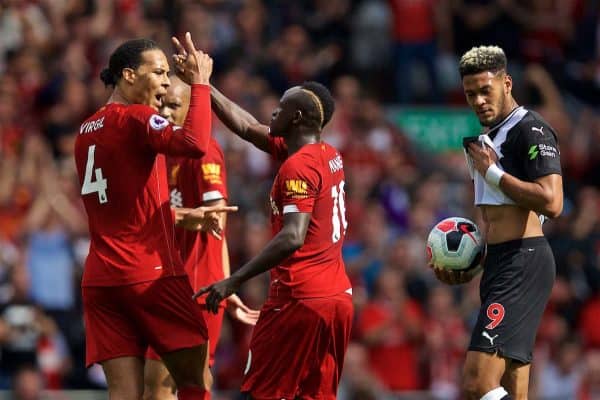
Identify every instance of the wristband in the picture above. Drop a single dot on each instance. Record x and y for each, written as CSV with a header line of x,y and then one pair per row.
x,y
493,175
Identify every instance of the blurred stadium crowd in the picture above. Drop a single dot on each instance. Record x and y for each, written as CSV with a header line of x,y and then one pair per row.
x,y
410,332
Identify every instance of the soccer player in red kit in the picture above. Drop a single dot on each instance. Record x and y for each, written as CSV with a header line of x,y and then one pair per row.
x,y
195,182
298,345
135,291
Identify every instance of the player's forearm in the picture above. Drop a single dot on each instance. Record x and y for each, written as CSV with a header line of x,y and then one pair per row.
x,y
232,115
283,245
238,120
532,195
196,130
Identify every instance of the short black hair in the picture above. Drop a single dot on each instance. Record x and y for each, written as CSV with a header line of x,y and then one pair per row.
x,y
325,98
127,55
481,59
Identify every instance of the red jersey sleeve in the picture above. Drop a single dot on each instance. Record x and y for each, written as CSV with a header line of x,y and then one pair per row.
x,y
277,148
213,184
300,184
191,140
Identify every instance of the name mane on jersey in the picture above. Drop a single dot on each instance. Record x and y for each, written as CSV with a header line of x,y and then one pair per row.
x,y
91,126
336,164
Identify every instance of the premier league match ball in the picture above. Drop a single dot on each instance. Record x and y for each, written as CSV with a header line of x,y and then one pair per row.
x,y
455,243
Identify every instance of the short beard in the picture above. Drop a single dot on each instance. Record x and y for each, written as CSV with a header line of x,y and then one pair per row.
x,y
501,105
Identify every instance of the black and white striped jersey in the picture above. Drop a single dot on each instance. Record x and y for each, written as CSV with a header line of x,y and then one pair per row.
x,y
527,148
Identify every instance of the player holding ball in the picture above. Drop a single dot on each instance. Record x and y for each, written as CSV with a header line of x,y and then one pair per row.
x,y
515,167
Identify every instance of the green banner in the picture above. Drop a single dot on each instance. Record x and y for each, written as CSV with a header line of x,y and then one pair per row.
x,y
436,129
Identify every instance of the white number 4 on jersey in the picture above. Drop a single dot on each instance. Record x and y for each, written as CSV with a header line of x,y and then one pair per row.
x,y
100,184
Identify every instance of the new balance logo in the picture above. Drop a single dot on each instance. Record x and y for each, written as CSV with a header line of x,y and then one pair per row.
x,y
540,129
176,198
488,337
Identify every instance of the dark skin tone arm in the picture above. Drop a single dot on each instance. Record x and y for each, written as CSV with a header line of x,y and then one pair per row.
x,y
284,244
239,121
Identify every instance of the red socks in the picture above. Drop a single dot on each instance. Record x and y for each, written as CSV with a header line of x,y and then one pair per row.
x,y
192,393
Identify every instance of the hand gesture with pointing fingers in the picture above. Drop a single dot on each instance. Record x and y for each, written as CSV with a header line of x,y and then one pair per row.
x,y
191,66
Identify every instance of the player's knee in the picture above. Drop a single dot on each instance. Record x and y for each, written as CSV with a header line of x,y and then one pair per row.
x,y
123,394
470,389
193,378
159,390
475,384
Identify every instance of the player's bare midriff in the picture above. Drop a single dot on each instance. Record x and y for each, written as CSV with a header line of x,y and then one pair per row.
x,y
509,222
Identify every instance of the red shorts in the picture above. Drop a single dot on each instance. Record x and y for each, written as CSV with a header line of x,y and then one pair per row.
x,y
214,322
297,349
124,320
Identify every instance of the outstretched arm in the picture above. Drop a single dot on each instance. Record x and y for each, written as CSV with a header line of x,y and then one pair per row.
x,y
240,121
284,244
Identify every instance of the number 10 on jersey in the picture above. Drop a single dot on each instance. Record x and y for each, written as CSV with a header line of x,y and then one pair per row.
x,y
339,212
99,185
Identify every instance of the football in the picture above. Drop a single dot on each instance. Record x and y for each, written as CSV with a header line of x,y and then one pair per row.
x,y
455,243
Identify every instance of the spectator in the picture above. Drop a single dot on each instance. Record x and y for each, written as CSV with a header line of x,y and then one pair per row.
x,y
391,326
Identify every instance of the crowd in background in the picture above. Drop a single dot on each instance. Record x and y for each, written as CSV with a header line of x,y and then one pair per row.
x,y
410,331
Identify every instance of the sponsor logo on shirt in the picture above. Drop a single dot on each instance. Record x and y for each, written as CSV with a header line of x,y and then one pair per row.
x,y
211,173
296,188
542,150
157,122
176,198
540,129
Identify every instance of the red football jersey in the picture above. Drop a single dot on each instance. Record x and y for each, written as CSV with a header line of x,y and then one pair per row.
x,y
311,181
125,191
191,183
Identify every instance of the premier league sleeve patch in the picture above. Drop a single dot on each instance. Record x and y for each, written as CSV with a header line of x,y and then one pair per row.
x,y
158,123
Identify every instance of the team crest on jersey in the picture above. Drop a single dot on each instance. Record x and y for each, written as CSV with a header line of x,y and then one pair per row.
x,y
157,122
296,188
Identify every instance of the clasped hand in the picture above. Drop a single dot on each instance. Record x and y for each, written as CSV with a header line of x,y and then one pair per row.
x,y
204,218
482,156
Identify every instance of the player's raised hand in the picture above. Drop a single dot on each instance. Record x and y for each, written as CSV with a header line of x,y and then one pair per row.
x,y
238,310
191,66
217,292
